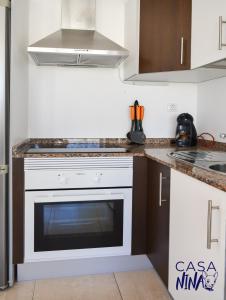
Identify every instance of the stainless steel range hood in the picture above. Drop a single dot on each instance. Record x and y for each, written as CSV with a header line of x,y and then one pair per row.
x,y
70,47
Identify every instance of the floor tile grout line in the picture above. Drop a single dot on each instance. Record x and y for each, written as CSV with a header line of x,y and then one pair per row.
x,y
33,296
118,286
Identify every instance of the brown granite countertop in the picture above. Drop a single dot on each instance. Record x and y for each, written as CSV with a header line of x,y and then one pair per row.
x,y
156,149
210,177
19,151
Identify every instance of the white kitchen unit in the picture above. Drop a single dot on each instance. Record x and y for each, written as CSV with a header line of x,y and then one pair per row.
x,y
171,42
197,239
77,208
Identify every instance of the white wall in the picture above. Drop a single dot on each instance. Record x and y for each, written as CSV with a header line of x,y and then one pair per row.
x,y
19,95
110,19
19,71
212,107
75,102
67,102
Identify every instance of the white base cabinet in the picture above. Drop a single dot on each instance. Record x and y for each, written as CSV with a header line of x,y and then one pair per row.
x,y
196,270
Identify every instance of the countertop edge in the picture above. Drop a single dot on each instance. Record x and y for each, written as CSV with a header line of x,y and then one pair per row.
x,y
211,178
156,149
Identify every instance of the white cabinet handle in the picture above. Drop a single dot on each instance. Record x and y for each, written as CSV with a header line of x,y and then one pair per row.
x,y
209,224
160,189
221,22
182,51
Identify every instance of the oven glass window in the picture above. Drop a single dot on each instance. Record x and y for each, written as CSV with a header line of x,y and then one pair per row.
x,y
78,225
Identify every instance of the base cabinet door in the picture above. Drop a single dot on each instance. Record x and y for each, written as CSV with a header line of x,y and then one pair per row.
x,y
197,239
158,217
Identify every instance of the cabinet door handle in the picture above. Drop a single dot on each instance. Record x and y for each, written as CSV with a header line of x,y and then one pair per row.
x,y
161,178
221,22
209,224
182,50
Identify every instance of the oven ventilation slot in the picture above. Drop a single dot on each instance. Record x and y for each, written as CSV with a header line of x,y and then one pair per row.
x,y
87,163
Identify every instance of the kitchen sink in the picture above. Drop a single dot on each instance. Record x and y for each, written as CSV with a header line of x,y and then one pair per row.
x,y
218,167
208,160
199,155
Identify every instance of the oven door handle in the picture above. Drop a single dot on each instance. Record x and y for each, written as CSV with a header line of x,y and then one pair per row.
x,y
74,198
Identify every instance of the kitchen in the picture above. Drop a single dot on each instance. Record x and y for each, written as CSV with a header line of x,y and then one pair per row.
x,y
53,107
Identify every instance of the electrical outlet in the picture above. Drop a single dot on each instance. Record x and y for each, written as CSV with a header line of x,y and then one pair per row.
x,y
172,107
223,135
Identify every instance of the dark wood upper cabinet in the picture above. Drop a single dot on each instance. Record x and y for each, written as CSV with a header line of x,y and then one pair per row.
x,y
165,35
174,40
158,204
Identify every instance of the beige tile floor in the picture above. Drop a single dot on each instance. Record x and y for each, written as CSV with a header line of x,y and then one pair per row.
x,y
139,285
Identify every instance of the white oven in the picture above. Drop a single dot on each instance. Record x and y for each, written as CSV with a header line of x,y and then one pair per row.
x,y
77,210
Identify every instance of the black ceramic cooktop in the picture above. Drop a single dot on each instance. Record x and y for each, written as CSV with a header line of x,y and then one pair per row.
x,y
76,147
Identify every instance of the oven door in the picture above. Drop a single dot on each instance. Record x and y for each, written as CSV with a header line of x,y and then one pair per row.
x,y
77,224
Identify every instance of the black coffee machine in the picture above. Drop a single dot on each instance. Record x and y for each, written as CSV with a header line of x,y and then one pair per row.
x,y
186,135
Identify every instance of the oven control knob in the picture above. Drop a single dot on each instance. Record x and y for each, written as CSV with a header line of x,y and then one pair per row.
x,y
97,178
62,179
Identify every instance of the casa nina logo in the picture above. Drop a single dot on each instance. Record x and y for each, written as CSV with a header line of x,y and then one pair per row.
x,y
195,276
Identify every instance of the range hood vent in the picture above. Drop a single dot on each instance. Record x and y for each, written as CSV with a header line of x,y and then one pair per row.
x,y
71,47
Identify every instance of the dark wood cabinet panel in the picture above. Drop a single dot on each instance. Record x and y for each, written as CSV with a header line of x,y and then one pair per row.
x,y
158,217
139,221
18,210
163,24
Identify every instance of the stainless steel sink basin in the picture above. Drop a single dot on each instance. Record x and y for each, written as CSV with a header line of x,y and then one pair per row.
x,y
218,167
199,156
208,160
